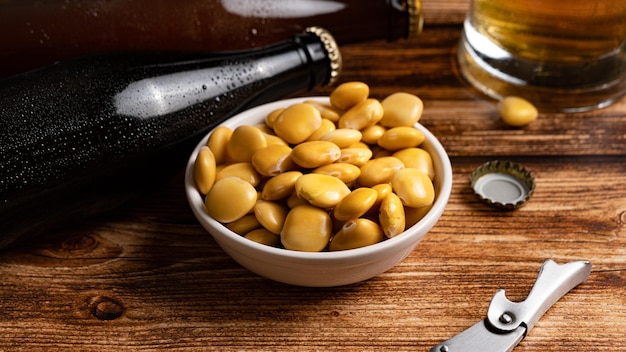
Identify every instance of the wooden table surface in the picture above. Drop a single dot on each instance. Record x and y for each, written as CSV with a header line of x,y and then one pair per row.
x,y
148,277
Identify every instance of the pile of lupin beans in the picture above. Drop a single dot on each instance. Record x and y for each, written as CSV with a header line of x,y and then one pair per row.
x,y
321,177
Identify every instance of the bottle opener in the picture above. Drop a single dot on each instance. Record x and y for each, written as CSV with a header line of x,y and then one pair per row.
x,y
507,323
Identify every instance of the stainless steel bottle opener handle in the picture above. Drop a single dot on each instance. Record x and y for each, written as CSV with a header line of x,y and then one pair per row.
x,y
507,322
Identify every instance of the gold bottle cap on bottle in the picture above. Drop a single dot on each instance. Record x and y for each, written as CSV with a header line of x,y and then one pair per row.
x,y
416,18
502,184
332,49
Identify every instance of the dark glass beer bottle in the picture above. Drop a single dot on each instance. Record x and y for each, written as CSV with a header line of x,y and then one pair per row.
x,y
35,33
81,136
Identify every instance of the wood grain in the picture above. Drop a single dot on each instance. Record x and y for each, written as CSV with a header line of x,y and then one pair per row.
x,y
147,277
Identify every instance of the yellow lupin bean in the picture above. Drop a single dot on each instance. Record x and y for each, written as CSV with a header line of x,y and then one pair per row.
x,y
271,215
372,134
307,228
342,137
401,109
244,225
338,224
218,143
349,94
293,201
355,156
356,233
414,215
272,116
364,114
379,170
397,138
391,215
347,173
280,186
417,158
359,145
244,171
263,236
380,152
383,190
314,154
273,160
355,204
516,111
321,190
328,112
274,140
325,127
230,199
264,128
204,170
413,187
244,141
297,123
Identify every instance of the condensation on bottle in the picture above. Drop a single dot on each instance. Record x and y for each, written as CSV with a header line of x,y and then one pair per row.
x,y
84,135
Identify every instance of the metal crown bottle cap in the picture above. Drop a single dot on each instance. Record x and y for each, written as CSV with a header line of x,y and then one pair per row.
x,y
332,49
502,184
416,18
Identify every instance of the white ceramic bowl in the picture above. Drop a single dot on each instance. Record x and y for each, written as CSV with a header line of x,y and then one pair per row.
x,y
323,268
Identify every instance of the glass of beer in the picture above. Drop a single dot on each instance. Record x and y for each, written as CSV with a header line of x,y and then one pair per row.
x,y
561,55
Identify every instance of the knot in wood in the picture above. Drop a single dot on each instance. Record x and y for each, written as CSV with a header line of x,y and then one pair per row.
x,y
106,308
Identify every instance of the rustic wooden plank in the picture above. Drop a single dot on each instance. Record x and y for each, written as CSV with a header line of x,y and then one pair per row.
x,y
178,290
